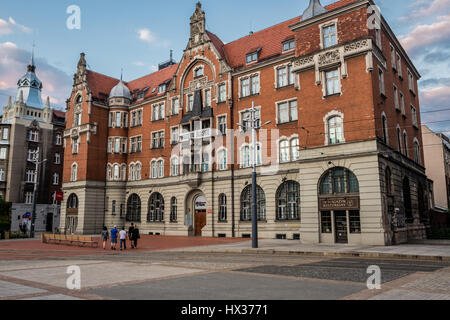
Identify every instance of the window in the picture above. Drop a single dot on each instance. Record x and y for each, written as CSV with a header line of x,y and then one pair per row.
x,y
329,36
190,104
338,181
77,119
173,210
381,81
405,142
222,154
355,221
287,111
133,208
284,151
335,130
160,165
158,112
402,103
295,149
333,85
2,153
113,207
2,174
31,176
158,140
174,166
208,98
198,72
246,160
116,172
155,208
399,66
399,139
138,169
250,86
222,125
393,58
57,158
414,116
5,134
175,106
33,154
28,197
72,202
73,175
154,169
325,222
118,120
75,145
33,135
205,162
378,38
417,157
285,76
222,92
385,129
288,201
117,145
252,57
162,88
288,45
55,179
222,207
123,173
246,119
58,139
136,144
411,81
396,102
174,136
246,204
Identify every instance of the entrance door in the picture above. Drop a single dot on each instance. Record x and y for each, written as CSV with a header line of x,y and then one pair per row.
x,y
340,222
49,224
200,221
71,224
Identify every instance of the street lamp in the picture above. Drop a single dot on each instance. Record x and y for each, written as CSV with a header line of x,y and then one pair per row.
x,y
254,127
33,215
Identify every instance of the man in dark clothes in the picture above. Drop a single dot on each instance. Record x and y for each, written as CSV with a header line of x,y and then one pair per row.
x,y
136,236
130,234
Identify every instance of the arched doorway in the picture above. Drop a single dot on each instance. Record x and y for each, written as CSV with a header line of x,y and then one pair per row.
x,y
196,212
72,214
339,204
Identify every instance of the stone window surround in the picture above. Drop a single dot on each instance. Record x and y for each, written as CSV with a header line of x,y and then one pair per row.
x,y
172,105
277,103
289,140
218,91
164,141
130,142
218,123
156,160
247,110
219,160
136,111
329,115
241,154
112,138
324,81
384,116
171,137
249,76
171,165
327,24
296,83
159,104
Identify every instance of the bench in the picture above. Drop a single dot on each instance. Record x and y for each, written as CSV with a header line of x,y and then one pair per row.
x,y
69,240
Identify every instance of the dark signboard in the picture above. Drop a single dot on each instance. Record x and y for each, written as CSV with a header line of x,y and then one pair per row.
x,y
347,203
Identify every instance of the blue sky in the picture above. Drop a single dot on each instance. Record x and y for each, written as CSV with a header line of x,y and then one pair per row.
x,y
138,34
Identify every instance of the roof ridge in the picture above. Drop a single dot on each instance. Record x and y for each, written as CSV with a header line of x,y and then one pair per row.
x,y
153,73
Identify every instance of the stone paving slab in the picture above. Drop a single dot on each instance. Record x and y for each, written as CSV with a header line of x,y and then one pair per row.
x,y
410,295
9,289
12,265
94,275
59,297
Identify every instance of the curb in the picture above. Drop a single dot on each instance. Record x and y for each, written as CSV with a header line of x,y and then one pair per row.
x,y
348,254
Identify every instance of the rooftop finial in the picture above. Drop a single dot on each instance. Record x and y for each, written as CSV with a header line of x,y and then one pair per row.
x,y
315,8
121,74
31,66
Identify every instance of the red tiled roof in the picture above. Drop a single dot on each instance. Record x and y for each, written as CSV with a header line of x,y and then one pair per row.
x,y
217,43
269,39
100,84
60,114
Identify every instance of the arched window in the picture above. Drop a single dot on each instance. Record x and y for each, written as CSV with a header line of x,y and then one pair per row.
x,y
417,157
405,142
295,149
335,130
138,169
132,173
407,200
388,182
284,151
124,172
174,168
79,99
108,172
74,173
399,139
246,204
246,161
72,202
154,167
288,201
222,207
116,172
385,129
338,181
134,208
155,208
222,154
173,210
160,169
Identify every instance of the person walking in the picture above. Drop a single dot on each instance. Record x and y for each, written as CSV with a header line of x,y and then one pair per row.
x,y
136,236
114,233
105,237
130,235
123,239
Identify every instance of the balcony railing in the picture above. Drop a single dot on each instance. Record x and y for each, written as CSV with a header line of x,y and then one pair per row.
x,y
198,134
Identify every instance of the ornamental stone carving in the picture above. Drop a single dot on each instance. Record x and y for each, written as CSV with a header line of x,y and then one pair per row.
x,y
329,57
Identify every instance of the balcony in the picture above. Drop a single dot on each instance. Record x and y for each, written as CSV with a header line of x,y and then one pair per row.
x,y
194,135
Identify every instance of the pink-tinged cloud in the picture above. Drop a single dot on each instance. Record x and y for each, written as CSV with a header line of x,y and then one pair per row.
x,y
13,65
426,35
9,27
435,97
425,8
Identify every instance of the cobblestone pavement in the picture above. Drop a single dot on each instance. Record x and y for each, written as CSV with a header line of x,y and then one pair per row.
x,y
169,275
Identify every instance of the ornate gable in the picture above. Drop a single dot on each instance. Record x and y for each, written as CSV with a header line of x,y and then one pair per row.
x,y
198,31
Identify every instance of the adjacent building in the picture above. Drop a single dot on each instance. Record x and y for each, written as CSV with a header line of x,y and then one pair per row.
x,y
339,153
31,130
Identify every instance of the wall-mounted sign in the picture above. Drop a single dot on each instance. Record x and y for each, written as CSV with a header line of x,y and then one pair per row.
x,y
349,203
200,203
71,211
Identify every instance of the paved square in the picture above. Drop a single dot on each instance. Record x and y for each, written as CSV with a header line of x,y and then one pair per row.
x,y
9,289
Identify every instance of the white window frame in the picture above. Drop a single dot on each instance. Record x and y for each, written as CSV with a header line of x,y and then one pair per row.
x,y
381,81
396,98
74,172
175,107
325,82
172,140
328,24
219,92
290,115
329,115
218,117
288,42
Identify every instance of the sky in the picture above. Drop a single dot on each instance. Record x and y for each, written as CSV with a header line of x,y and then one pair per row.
x,y
136,35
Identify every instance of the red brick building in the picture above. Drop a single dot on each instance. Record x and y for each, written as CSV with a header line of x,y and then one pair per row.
x,y
339,157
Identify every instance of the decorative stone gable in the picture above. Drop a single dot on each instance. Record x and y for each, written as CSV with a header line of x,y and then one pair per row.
x,y
80,76
198,31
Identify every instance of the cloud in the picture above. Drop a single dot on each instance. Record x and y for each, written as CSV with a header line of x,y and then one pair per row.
x,y
8,27
440,56
435,97
148,36
435,82
427,35
13,65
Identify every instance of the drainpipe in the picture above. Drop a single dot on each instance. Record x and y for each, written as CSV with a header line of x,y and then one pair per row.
x,y
231,103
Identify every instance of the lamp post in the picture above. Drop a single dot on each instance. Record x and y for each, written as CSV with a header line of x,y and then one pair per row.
x,y
33,215
254,126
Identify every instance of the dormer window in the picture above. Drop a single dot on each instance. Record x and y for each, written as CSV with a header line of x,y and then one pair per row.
x,y
198,72
140,95
329,36
288,45
162,88
252,57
